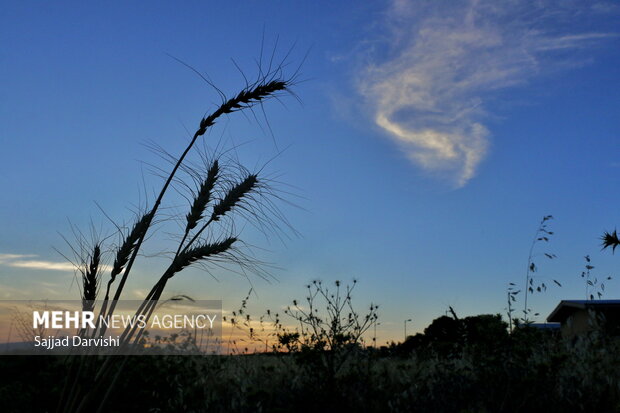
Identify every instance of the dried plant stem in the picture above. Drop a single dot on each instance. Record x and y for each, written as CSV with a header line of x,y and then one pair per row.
x,y
183,259
89,295
541,235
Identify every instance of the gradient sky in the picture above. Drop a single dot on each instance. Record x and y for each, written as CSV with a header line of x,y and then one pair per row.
x,y
428,141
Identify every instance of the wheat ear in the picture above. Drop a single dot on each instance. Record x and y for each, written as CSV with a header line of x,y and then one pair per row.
x,y
202,197
90,280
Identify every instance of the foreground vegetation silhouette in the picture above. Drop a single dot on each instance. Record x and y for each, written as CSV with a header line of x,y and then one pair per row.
x,y
220,191
457,365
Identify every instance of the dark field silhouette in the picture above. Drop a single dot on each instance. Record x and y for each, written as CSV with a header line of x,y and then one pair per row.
x,y
468,366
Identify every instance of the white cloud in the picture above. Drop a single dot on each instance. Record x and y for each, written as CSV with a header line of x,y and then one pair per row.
x,y
23,261
139,294
41,265
443,60
4,257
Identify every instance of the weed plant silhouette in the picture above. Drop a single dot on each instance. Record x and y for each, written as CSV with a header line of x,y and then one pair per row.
x,y
325,339
533,283
594,286
511,294
326,322
610,240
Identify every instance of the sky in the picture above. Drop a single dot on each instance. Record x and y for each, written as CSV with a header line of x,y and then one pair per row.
x,y
419,149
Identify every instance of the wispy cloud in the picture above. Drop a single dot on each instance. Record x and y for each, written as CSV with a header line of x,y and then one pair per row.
x,y
139,294
42,265
6,257
27,261
441,61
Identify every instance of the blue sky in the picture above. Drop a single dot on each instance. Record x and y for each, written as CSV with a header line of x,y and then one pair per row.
x,y
430,140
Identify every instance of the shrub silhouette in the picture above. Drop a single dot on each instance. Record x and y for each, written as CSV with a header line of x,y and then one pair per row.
x,y
450,336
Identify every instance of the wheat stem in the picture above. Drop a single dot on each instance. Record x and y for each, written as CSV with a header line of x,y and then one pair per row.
x,y
245,98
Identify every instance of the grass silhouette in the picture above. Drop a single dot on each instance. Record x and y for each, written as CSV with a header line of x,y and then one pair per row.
x,y
224,191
